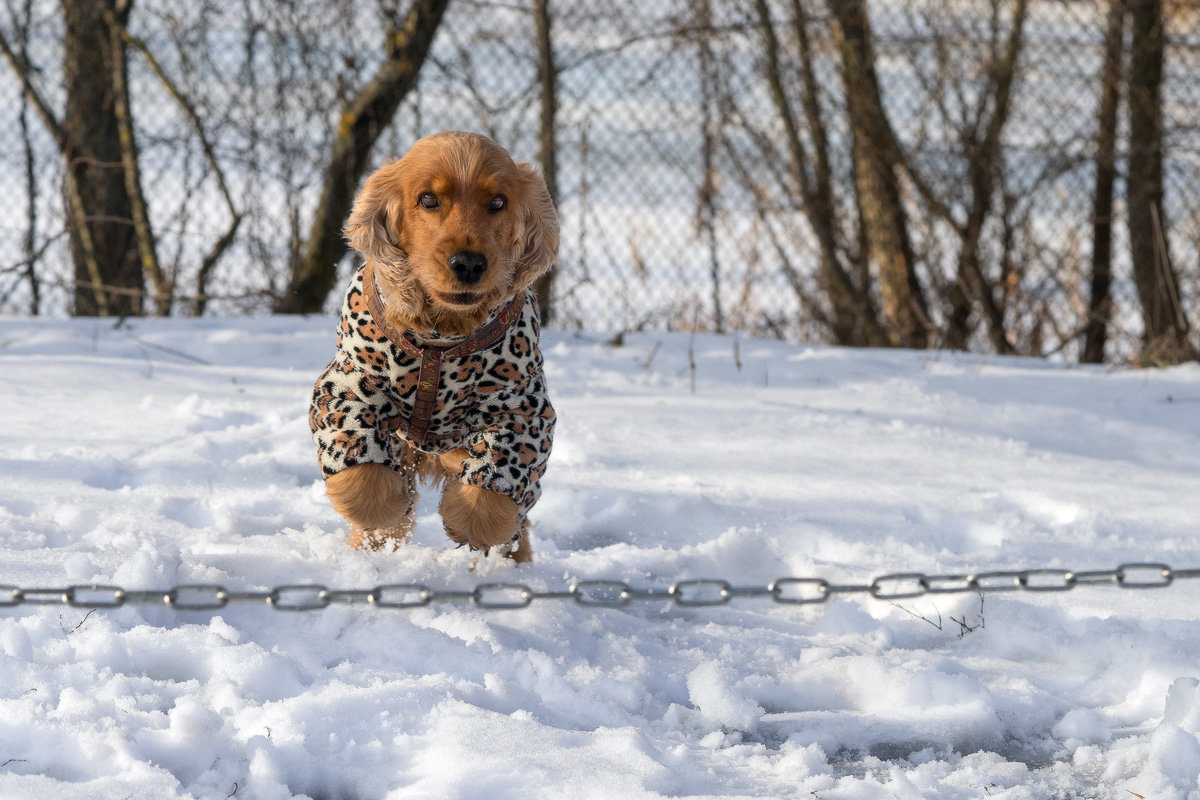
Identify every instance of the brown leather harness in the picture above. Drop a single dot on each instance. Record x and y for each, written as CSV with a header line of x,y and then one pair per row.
x,y
429,376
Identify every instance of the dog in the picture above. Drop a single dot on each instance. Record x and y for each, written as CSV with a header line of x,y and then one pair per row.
x,y
438,374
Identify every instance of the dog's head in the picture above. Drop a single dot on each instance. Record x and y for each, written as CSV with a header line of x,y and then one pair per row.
x,y
452,229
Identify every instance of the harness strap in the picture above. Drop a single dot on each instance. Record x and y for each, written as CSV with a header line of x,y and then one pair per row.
x,y
429,376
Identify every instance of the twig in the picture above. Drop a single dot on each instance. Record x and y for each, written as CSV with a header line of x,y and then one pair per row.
x,y
650,358
149,363
692,350
80,625
964,628
921,617
168,350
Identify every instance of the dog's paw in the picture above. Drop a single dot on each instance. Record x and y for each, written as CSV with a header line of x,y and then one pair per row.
x,y
478,518
361,538
520,549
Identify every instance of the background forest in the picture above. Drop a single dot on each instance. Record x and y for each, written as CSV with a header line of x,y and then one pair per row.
x,y
1012,176
929,183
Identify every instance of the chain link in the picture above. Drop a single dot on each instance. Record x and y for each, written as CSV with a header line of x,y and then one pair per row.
x,y
602,593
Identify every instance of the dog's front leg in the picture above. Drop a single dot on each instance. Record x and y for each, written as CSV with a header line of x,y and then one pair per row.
x,y
480,518
377,501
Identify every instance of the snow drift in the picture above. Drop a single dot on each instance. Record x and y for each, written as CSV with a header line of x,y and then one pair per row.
x,y
157,453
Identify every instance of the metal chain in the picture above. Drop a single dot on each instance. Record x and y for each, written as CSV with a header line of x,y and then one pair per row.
x,y
602,593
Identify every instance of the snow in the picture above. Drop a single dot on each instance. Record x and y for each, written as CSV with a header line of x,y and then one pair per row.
x,y
165,452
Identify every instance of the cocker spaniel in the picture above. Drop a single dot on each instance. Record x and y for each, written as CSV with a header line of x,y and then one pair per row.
x,y
438,374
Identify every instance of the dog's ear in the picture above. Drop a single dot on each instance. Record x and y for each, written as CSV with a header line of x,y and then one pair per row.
x,y
374,223
537,244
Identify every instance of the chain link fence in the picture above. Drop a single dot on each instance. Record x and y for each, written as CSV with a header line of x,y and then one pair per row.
x,y
681,205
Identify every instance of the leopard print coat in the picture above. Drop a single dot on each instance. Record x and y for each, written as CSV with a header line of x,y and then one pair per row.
x,y
491,402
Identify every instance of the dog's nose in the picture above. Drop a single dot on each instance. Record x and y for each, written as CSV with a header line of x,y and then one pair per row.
x,y
468,267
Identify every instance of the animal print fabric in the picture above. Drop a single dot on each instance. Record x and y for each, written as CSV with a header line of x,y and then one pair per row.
x,y
492,403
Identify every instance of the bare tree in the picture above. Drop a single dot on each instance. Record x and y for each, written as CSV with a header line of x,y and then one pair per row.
x,y
1100,303
707,206
164,280
30,157
406,46
854,319
877,168
1165,336
115,19
984,171
104,246
547,129
112,244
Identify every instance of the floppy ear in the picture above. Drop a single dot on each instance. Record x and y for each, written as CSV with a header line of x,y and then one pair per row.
x,y
374,221
537,243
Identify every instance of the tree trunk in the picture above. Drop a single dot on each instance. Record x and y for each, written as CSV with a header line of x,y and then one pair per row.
x,y
104,240
31,186
1164,324
876,178
547,145
1100,307
314,274
130,166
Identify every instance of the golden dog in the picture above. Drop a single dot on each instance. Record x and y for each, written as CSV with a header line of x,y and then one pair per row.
x,y
438,372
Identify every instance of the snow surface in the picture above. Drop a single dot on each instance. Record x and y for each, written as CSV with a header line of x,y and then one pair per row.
x,y
168,452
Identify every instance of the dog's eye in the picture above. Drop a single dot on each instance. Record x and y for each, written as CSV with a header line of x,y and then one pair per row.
x,y
428,200
497,203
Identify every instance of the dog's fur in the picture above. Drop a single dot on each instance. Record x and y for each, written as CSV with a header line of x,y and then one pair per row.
x,y
411,216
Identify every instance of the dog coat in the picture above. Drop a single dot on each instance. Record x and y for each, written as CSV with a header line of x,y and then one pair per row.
x,y
385,391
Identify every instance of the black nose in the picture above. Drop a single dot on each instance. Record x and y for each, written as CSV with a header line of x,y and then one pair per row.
x,y
468,267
